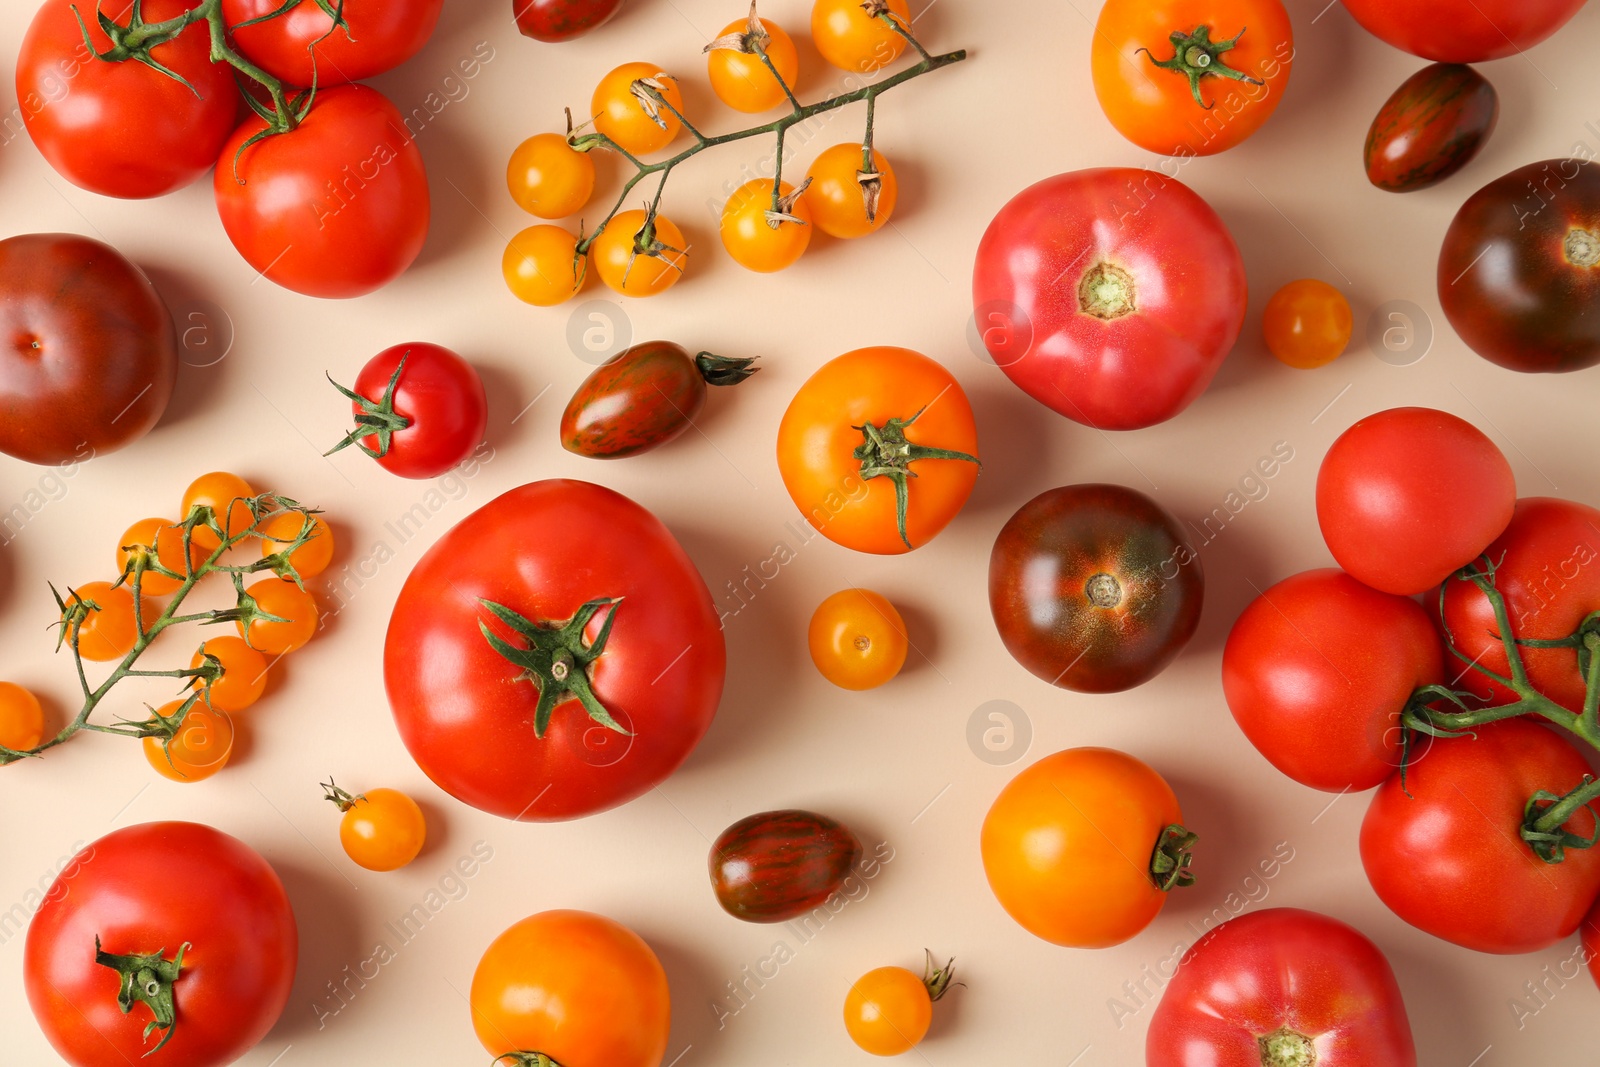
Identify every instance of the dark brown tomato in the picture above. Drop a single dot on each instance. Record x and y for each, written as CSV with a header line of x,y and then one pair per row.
x,y
1093,587
777,865
1431,127
642,398
1519,273
88,353
554,21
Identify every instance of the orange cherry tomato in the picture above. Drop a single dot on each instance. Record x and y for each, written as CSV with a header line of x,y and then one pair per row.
x,y
244,672
542,267
1186,98
741,80
310,559
228,495
838,200
1073,847
752,240
577,988
381,830
549,178
852,39
888,1010
1307,323
199,749
915,408
296,606
158,540
110,632
21,718
621,115
857,639
622,257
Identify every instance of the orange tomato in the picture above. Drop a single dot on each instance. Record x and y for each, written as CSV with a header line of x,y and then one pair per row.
x,y
296,606
837,198
888,1010
244,672
542,267
1307,324
1072,847
622,116
21,718
107,633
311,558
576,987
915,407
752,241
622,257
381,830
741,80
198,750
852,39
549,178
158,540
1178,99
228,496
857,639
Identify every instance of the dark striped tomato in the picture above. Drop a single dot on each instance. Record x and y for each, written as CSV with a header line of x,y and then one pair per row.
x,y
1430,128
642,398
561,20
778,865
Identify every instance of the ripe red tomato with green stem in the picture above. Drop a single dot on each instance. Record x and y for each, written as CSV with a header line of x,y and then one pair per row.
x,y
553,655
642,398
1431,127
420,409
554,21
304,46
1463,31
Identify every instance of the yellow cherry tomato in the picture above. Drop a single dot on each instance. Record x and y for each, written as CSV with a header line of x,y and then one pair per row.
x,y
852,39
857,639
244,672
311,558
159,541
382,829
622,255
838,199
622,116
752,234
1307,323
21,718
296,606
542,267
107,633
888,1010
741,80
198,750
228,496
549,178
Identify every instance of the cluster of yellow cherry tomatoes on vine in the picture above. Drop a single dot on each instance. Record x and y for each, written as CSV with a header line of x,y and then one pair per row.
x,y
849,191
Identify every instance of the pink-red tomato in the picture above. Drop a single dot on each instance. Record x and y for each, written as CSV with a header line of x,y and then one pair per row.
x,y
1463,31
303,44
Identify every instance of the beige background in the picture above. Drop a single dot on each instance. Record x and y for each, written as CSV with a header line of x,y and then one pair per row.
x,y
895,764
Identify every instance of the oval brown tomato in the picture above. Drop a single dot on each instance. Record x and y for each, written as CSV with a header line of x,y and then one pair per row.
x,y
1317,671
207,904
1519,273
336,208
1431,127
642,398
302,46
554,654
777,865
88,353
554,21
1443,850
1463,31
1093,587
1110,296
1282,988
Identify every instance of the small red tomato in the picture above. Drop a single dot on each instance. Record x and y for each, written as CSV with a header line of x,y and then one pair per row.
x,y
1431,127
420,409
301,44
554,21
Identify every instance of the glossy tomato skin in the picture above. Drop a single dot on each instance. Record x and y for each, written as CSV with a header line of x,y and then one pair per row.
x,y
443,397
1301,977
88,352
302,44
1463,31
336,208
1407,496
1093,587
638,400
1154,107
1317,671
123,129
1548,577
779,865
1519,272
554,21
1431,127
151,887
1591,942
1110,296
545,550
1448,859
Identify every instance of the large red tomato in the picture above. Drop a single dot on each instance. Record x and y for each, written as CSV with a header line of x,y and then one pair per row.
x,y
214,929
1444,850
1317,671
302,43
545,616
123,128
336,208
1111,296
1282,988
1463,31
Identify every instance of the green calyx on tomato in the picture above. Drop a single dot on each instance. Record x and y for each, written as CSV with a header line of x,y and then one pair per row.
x,y
1196,55
1546,815
1287,1048
938,980
523,1059
147,979
340,798
722,370
377,418
556,659
1170,861
886,453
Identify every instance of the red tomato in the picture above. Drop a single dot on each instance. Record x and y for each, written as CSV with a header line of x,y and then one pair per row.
x,y
1409,495
123,129
1549,575
337,208
1317,671
1282,988
1591,942
424,417
170,888
1448,859
1463,31
554,21
302,44
602,581
1111,295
